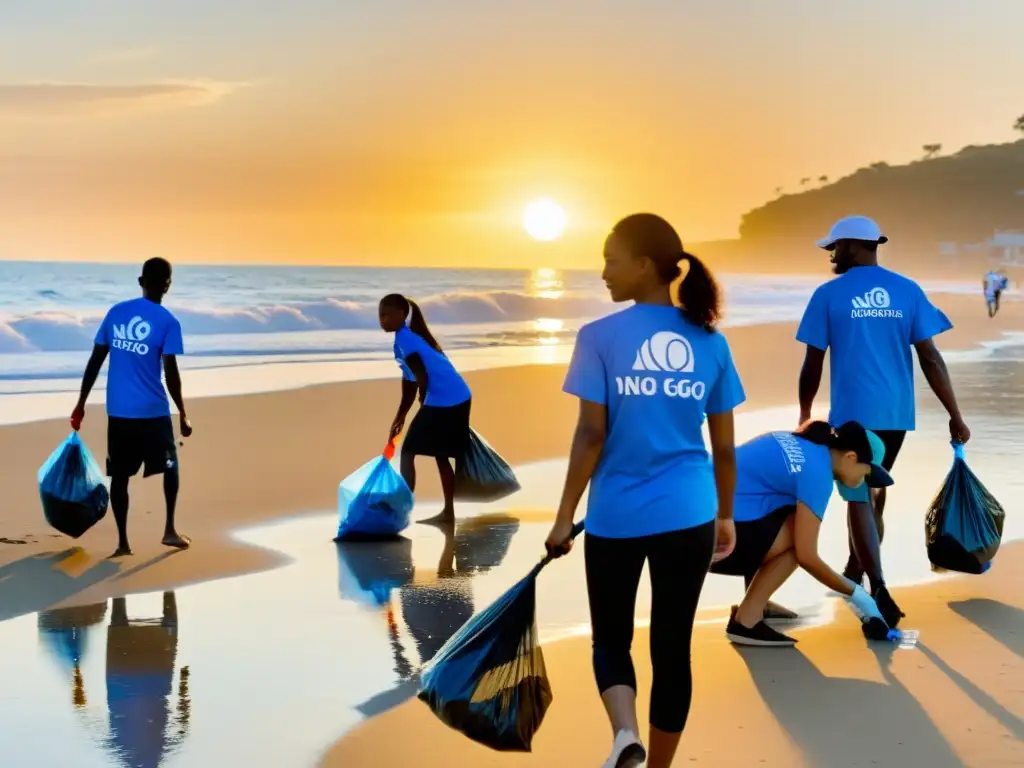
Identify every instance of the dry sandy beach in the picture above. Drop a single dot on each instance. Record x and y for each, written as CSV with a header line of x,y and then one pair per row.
x,y
258,458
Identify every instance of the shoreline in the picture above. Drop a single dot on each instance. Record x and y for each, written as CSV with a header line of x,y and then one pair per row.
x,y
259,458
939,704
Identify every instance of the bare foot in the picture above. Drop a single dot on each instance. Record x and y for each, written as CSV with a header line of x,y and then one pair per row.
x,y
444,517
176,541
124,551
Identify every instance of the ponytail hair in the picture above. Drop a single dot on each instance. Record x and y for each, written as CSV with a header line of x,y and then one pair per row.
x,y
699,296
650,236
819,433
413,317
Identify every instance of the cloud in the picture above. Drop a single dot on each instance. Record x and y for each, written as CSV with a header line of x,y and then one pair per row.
x,y
124,55
56,100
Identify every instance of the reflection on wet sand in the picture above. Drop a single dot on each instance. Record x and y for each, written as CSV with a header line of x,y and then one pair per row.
x,y
434,601
140,662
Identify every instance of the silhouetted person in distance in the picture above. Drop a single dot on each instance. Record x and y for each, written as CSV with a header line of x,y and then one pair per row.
x,y
141,656
137,335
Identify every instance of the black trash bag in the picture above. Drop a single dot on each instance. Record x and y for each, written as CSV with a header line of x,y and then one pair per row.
x,y
72,489
481,474
489,680
964,525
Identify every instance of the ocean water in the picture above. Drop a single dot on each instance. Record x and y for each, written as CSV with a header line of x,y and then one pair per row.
x,y
234,316
268,670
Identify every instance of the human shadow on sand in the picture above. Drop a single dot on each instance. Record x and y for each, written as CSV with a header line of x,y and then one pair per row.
x,y
846,722
39,582
1003,623
433,611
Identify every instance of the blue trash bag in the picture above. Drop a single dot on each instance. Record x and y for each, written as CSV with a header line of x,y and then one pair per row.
x,y
481,474
489,681
72,490
374,502
964,526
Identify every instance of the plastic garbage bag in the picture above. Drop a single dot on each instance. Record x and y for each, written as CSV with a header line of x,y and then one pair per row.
x,y
481,474
489,680
964,525
72,489
374,502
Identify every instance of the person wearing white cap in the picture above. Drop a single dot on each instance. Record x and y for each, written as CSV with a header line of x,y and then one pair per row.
x,y
870,317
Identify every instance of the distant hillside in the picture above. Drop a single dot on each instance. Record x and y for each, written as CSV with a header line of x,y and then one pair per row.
x,y
959,198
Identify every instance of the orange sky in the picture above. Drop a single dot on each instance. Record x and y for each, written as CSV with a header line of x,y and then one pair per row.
x,y
327,133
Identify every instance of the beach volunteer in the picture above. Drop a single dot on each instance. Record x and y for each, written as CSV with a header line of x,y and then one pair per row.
x,y
869,318
441,426
784,482
646,378
139,335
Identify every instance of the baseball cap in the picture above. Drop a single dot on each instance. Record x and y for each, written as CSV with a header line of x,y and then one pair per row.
x,y
853,228
870,450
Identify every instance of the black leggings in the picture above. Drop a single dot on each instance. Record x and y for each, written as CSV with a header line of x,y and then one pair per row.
x,y
678,562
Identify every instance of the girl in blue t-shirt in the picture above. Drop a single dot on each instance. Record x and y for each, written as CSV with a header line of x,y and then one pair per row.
x,y
646,378
784,482
441,426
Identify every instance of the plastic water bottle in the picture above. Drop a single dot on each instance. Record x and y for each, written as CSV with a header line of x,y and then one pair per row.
x,y
906,639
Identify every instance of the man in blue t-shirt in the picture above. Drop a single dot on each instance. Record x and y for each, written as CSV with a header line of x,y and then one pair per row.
x,y
139,335
870,318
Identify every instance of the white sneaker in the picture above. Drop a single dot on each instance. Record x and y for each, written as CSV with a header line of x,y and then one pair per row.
x,y
627,751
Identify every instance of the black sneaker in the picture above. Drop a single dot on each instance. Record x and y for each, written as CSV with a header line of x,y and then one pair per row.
x,y
887,607
758,635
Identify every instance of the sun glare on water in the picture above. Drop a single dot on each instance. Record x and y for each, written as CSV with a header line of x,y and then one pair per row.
x,y
544,219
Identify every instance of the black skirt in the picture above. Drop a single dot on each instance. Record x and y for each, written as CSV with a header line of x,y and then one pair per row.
x,y
753,540
440,432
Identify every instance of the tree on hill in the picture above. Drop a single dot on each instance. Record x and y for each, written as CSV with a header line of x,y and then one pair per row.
x,y
805,181
1019,125
931,150
823,179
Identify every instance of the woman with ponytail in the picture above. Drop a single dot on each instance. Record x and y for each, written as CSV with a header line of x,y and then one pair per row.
x,y
784,482
646,378
441,426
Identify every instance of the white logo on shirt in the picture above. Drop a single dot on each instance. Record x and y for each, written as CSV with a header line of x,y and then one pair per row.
x,y
791,448
664,352
130,337
874,303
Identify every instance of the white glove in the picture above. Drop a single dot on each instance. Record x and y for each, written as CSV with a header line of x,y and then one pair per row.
x,y
864,605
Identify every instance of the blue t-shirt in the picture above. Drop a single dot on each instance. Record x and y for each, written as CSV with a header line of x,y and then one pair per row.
x,y
870,318
658,375
445,387
139,333
777,470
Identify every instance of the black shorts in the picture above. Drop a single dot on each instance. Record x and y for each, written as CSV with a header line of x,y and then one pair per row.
x,y
753,540
136,443
440,432
892,439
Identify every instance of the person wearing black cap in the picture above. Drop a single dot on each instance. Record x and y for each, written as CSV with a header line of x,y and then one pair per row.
x,y
783,485
139,335
870,318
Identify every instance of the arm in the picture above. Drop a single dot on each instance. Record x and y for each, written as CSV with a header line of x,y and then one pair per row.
x,y
723,454
173,377
587,444
810,380
805,543
92,371
935,372
419,370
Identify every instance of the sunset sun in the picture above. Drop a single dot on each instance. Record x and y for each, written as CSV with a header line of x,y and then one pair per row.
x,y
544,219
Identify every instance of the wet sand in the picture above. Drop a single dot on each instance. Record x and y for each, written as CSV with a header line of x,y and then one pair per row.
x,y
258,458
832,701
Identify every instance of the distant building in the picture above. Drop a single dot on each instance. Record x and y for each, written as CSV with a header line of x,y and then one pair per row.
x,y
1007,247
